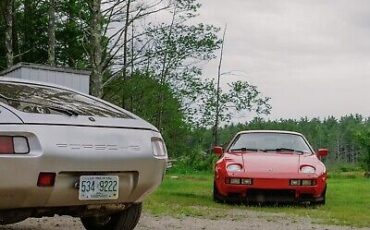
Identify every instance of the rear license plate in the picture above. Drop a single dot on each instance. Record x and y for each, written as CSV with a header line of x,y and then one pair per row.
x,y
98,188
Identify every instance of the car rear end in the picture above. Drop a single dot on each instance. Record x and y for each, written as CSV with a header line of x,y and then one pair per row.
x,y
67,153
67,163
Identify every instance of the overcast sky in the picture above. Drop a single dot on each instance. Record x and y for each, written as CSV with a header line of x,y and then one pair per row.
x,y
312,57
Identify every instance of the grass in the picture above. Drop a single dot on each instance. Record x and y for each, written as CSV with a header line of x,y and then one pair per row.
x,y
190,194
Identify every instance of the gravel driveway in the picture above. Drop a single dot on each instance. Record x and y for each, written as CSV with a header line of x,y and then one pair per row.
x,y
234,220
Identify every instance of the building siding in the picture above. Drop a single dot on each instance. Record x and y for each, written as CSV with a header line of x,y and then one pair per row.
x,y
77,80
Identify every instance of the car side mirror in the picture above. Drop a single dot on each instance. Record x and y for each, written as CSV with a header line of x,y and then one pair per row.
x,y
218,150
322,152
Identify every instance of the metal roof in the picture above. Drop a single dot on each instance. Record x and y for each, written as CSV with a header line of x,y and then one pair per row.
x,y
38,83
43,67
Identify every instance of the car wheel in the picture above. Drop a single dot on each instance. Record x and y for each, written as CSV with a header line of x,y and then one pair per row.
x,y
217,197
124,220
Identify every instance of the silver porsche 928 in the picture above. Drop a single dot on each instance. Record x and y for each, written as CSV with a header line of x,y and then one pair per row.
x,y
66,153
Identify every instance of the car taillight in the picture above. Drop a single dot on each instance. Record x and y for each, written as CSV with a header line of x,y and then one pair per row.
x,y
159,148
14,145
6,145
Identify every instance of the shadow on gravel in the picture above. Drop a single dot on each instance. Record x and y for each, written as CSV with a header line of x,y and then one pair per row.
x,y
306,205
16,228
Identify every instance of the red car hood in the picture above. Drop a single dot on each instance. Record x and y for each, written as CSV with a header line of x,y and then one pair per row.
x,y
262,162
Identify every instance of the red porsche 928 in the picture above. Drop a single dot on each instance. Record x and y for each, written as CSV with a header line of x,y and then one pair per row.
x,y
269,166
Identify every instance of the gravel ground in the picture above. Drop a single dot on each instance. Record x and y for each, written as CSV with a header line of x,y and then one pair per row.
x,y
234,220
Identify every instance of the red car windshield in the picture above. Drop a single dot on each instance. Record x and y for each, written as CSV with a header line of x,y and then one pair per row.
x,y
274,142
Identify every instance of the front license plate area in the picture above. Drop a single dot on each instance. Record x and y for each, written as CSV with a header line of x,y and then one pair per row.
x,y
98,187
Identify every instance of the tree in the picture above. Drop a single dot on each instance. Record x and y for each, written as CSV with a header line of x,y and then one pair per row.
x,y
174,51
8,31
72,34
143,89
33,36
96,49
241,96
51,33
363,137
108,46
217,115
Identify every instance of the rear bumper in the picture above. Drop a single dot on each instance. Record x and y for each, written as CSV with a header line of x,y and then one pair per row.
x,y
133,187
71,152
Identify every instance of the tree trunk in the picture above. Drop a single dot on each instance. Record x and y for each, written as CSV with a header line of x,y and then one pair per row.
x,y
9,33
164,72
71,17
15,36
217,116
96,48
51,33
125,51
27,31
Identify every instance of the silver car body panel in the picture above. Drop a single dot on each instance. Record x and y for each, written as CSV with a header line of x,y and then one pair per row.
x,y
8,117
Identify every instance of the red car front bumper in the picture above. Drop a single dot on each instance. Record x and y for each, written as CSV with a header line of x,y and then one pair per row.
x,y
265,188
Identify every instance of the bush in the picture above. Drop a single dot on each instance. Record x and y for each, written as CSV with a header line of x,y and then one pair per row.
x,y
196,160
363,138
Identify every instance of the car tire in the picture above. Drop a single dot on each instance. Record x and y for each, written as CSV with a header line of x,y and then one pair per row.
x,y
124,220
217,197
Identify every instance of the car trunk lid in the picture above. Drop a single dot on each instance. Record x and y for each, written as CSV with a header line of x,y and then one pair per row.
x,y
92,121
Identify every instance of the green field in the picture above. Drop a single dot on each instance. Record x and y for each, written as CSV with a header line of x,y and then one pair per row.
x,y
348,200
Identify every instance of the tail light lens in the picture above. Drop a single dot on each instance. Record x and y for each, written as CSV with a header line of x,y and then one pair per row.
x,y
6,145
159,148
14,145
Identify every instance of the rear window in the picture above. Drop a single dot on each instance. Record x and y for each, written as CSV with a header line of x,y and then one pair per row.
x,y
31,98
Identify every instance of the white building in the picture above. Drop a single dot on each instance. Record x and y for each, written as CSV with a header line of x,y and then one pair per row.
x,y
75,79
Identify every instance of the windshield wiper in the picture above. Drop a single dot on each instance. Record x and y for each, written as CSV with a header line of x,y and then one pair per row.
x,y
67,111
283,150
245,150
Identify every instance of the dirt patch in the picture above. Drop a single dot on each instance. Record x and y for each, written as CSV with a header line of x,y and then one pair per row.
x,y
234,220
